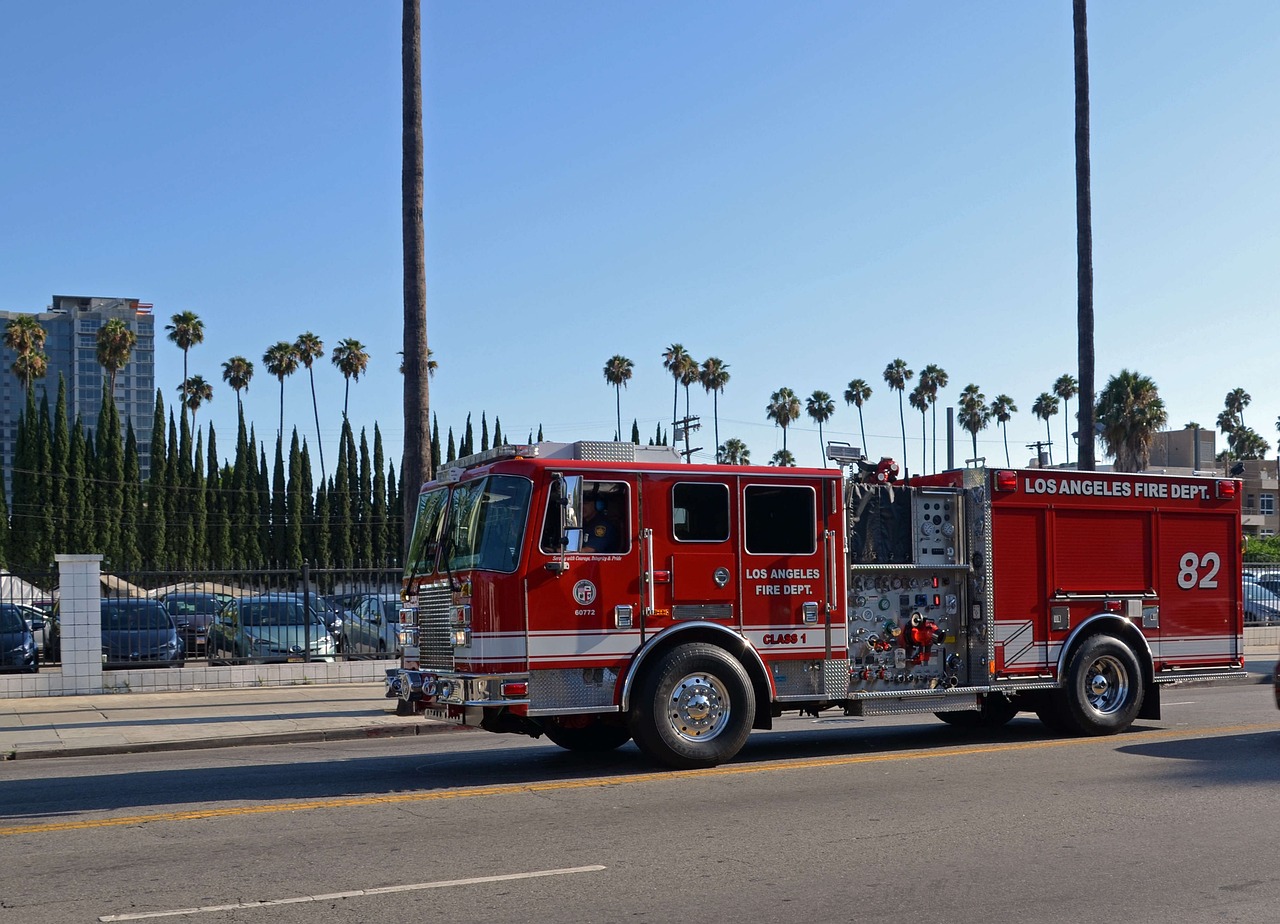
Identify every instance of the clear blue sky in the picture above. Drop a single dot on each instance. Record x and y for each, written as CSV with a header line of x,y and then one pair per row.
x,y
806,190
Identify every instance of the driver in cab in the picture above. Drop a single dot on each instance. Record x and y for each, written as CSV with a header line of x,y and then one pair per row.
x,y
600,534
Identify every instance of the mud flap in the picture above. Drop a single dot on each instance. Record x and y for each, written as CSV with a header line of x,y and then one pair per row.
x,y
1150,703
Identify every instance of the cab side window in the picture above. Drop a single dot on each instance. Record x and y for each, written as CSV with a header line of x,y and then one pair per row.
x,y
700,512
780,519
606,518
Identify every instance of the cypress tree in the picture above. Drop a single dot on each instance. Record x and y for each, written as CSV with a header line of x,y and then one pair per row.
x,y
76,541
154,534
240,504
320,535
279,507
394,532
635,431
59,465
172,513
109,475
219,529
452,452
131,500
20,528
264,506
43,494
435,442
484,432
378,518
308,507
185,507
364,507
340,553
468,440
497,432
199,508
539,433
293,507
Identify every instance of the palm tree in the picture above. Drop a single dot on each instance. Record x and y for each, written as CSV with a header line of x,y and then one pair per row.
x,y
617,372
820,406
417,463
897,375
1066,388
352,360
115,345
1003,409
974,414
281,360
714,376
689,373
735,452
186,330
26,337
919,399
1044,407
782,409
238,372
1084,240
193,393
309,348
1131,413
1236,401
857,394
934,378
783,459
673,360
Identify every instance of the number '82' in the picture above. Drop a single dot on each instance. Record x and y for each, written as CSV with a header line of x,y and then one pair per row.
x,y
1199,570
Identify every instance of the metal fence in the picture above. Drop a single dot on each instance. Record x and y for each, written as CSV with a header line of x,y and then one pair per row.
x,y
160,619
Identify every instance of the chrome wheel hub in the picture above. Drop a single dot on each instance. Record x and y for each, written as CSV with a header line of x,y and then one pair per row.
x,y
1107,685
698,707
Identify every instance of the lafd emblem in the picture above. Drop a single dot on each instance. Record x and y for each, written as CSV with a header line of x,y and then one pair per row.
x,y
584,593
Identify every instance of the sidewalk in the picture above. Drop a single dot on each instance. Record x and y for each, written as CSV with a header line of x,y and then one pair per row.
x,y
125,723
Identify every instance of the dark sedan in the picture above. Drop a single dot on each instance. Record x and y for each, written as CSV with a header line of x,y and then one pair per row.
x,y
192,613
17,644
139,633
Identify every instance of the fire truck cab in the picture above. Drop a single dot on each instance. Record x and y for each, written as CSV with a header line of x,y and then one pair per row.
x,y
603,592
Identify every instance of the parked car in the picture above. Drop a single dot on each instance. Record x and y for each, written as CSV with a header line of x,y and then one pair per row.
x,y
1270,581
35,620
192,612
17,644
373,626
270,628
1261,606
139,632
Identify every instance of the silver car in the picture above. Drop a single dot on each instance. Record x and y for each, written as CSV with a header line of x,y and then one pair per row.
x,y
372,626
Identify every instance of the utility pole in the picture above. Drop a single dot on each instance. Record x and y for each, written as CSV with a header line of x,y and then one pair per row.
x,y
680,431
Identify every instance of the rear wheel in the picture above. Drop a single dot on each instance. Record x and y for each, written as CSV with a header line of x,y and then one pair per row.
x,y
694,708
594,737
1102,688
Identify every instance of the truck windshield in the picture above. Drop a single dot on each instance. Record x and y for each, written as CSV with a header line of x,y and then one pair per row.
x,y
426,532
487,522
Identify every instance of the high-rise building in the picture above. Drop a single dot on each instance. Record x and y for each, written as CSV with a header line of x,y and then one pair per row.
x,y
71,323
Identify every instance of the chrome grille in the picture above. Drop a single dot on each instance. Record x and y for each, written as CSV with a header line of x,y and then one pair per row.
x,y
435,637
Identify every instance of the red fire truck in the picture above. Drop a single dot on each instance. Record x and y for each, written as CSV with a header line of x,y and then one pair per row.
x,y
603,592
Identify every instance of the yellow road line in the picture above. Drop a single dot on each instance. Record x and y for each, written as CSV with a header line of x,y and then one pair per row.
x,y
472,792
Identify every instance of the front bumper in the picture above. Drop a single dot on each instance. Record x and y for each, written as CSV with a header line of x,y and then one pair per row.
x,y
457,697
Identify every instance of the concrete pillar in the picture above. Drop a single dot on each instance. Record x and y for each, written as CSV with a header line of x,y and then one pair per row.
x,y
80,614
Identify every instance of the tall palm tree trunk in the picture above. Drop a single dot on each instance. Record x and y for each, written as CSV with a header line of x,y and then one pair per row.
x,y
617,391
316,408
1084,241
417,462
715,417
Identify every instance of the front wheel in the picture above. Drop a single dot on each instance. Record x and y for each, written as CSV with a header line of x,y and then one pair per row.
x,y
1102,688
694,708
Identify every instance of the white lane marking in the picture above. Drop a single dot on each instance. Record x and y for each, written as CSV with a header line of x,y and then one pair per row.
x,y
384,890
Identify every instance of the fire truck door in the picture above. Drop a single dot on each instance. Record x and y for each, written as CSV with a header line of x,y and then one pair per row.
x,y
789,600
588,615
694,558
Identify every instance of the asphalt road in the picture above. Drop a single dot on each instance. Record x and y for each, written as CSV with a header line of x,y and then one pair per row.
x,y
833,819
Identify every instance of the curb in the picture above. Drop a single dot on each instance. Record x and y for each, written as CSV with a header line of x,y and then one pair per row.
x,y
369,732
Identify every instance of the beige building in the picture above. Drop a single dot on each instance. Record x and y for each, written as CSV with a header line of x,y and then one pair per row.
x,y
1175,451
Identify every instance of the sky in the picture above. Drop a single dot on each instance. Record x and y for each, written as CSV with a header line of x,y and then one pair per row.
x,y
806,191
